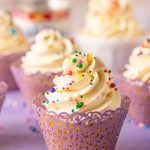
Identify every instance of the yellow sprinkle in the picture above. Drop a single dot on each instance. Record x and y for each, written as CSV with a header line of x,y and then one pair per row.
x,y
79,76
69,59
58,90
90,58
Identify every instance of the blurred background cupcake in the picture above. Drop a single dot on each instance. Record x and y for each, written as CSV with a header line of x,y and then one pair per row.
x,y
84,110
35,71
111,31
134,81
34,15
3,90
13,45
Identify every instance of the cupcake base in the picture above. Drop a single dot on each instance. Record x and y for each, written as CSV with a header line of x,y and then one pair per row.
x,y
5,72
139,94
3,90
31,85
93,130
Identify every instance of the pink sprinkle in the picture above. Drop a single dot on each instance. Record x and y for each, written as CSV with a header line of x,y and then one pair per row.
x,y
53,101
80,61
73,81
70,73
148,40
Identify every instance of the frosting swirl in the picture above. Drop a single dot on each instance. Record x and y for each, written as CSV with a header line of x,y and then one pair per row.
x,y
139,67
111,19
48,52
85,85
12,39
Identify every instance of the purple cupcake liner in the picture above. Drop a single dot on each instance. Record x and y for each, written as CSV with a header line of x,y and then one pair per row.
x,y
3,90
31,85
139,93
93,130
5,72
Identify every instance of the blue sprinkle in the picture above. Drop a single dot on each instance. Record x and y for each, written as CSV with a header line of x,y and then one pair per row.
x,y
33,129
148,126
130,121
52,90
47,101
12,30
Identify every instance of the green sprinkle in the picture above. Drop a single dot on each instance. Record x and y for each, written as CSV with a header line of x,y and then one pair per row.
x,y
80,65
91,82
72,109
46,37
82,75
58,100
79,105
81,96
74,60
109,71
47,101
84,55
70,83
76,54
90,71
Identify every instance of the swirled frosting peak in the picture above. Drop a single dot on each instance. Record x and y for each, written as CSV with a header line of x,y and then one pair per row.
x,y
139,66
48,52
12,39
111,19
85,85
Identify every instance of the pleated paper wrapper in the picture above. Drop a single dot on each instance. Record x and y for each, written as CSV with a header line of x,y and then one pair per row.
x,y
32,84
139,93
5,72
3,90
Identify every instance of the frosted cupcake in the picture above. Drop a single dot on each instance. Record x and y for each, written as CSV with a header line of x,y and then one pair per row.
x,y
111,31
84,109
3,90
13,45
135,83
35,71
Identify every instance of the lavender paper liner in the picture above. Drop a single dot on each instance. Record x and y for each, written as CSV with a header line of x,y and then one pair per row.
x,y
5,72
3,90
93,130
31,85
139,94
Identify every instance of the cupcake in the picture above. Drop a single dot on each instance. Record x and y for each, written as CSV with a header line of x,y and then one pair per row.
x,y
111,31
13,45
34,15
35,71
84,109
3,90
134,81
